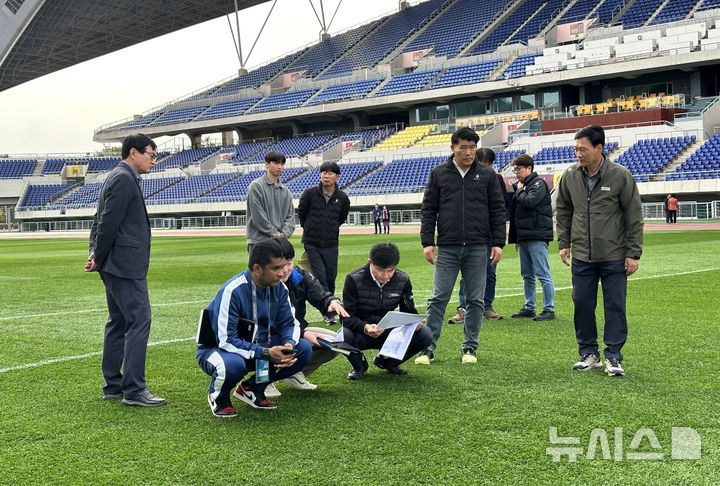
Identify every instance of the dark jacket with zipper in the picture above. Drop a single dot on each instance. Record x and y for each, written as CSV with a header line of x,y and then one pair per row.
x,y
603,225
367,303
465,210
321,220
302,288
531,214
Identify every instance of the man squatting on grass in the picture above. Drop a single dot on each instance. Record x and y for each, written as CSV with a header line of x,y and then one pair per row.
x,y
303,288
599,217
255,295
464,201
370,292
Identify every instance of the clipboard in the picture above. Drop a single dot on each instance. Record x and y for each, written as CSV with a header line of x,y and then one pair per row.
x,y
397,318
205,335
338,347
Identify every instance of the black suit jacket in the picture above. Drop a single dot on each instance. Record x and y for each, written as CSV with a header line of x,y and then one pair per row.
x,y
120,234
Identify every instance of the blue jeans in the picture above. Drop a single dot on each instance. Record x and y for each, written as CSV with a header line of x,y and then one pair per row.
x,y
489,286
471,261
585,277
534,263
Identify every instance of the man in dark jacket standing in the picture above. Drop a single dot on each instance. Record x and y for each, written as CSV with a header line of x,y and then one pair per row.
x,y
322,209
120,252
531,228
599,217
465,202
369,293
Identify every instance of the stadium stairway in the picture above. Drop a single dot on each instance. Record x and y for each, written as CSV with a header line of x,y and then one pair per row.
x,y
682,157
490,28
657,11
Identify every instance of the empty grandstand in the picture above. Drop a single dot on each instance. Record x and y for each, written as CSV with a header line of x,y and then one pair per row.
x,y
383,99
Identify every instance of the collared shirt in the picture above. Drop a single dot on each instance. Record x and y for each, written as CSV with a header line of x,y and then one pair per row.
x,y
326,195
375,280
462,172
135,173
592,180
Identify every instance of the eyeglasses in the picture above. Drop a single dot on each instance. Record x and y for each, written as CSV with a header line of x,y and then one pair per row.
x,y
152,155
518,168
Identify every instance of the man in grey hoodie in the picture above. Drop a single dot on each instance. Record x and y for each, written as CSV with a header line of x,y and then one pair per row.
x,y
270,210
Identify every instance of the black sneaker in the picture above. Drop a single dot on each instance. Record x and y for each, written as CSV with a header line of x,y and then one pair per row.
x,y
379,361
524,314
360,366
545,315
253,397
356,375
221,407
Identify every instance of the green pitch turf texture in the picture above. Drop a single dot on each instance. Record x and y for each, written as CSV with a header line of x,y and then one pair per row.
x,y
447,423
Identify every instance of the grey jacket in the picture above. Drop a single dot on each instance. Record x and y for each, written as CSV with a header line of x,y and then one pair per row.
x,y
269,210
120,233
602,226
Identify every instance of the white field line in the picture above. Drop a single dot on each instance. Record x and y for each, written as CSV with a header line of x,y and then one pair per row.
x,y
169,341
89,311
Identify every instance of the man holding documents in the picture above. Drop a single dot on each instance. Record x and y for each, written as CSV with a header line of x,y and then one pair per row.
x,y
371,292
249,326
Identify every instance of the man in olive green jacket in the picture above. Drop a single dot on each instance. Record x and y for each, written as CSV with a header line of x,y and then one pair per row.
x,y
599,217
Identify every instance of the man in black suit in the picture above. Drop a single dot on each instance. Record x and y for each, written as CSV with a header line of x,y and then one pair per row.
x,y
120,252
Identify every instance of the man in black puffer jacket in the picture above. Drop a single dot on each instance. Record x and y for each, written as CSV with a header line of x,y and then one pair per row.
x,y
531,228
369,293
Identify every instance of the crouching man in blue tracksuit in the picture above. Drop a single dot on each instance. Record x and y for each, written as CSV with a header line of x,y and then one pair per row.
x,y
254,295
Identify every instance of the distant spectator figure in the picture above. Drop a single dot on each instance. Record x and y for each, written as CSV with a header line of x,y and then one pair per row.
x,y
270,209
120,252
377,219
370,292
599,217
531,229
486,156
667,210
386,219
672,205
253,296
322,209
303,288
464,201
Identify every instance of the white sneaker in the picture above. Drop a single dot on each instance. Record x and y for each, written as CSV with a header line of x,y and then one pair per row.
x,y
468,356
299,382
271,391
588,362
613,367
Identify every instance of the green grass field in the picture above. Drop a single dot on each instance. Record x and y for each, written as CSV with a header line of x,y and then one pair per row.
x,y
444,424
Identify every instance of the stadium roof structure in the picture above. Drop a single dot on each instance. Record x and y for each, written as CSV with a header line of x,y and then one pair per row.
x,y
38,37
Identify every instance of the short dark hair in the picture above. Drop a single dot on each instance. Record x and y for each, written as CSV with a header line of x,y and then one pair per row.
x,y
464,133
265,250
330,167
523,160
137,141
385,255
485,155
275,156
594,133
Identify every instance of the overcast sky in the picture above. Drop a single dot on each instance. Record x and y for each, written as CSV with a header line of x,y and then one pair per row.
x,y
60,111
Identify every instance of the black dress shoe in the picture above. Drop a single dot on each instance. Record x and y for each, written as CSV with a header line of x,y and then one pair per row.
x,y
143,399
392,369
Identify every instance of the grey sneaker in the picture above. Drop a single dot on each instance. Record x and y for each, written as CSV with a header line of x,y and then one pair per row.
x,y
524,314
459,317
271,391
546,315
587,362
613,367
